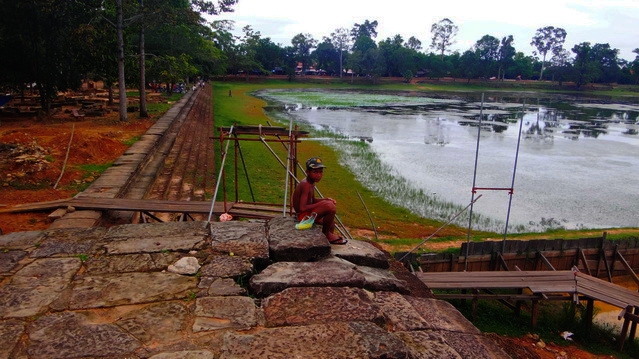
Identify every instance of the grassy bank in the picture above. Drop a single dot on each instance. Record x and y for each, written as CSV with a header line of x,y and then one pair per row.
x,y
397,228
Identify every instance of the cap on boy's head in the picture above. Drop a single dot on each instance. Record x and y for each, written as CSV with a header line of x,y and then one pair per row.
x,y
313,163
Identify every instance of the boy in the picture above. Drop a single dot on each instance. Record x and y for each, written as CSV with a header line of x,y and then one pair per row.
x,y
305,203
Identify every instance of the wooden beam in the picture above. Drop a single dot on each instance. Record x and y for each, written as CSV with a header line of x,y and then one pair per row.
x,y
627,266
502,262
608,272
633,326
545,260
582,256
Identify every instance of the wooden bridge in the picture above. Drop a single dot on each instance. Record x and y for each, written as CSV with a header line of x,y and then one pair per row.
x,y
150,206
535,286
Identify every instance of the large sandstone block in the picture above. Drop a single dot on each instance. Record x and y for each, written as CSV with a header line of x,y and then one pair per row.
x,y
288,244
282,275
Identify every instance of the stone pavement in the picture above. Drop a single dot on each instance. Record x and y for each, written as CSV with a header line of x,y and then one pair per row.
x,y
239,289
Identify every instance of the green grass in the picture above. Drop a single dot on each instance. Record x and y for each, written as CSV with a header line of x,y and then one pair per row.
x,y
132,140
165,105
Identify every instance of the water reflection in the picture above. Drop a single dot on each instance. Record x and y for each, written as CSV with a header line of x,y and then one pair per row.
x,y
577,161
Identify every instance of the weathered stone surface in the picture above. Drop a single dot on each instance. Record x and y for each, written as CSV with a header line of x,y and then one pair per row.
x,y
136,262
154,230
10,332
380,279
427,345
69,335
70,241
33,288
317,305
168,242
441,315
399,313
186,354
474,346
21,240
160,322
221,287
81,219
282,275
288,244
245,239
320,341
226,266
185,265
224,312
376,279
361,253
119,289
9,259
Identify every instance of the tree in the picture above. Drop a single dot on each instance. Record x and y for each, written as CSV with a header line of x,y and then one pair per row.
x,y
605,59
247,52
583,65
559,65
505,56
413,43
341,42
327,56
365,54
469,64
400,60
119,22
303,43
183,17
634,66
522,67
487,52
40,44
547,39
444,33
367,30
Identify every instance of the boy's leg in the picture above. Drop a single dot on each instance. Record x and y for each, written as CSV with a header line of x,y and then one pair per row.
x,y
326,217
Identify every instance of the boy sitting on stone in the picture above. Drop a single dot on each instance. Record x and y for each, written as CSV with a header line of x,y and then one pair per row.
x,y
305,203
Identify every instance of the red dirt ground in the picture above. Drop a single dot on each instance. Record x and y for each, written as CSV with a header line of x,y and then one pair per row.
x,y
33,152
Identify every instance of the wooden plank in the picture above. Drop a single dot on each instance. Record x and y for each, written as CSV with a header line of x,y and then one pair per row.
x,y
539,282
243,209
36,207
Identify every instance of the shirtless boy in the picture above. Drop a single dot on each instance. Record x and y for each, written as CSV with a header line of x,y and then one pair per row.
x,y
305,203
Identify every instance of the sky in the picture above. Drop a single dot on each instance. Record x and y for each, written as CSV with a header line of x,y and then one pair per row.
x,y
615,22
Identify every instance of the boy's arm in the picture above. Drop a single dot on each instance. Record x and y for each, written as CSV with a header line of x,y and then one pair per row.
x,y
304,197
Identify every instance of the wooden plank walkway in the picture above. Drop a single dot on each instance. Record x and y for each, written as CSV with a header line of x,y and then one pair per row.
x,y
540,283
236,209
565,285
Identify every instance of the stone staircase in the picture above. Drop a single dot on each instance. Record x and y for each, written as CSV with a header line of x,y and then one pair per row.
x,y
238,289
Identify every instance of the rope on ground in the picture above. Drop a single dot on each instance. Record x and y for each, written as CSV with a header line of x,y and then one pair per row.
x,y
66,158
369,215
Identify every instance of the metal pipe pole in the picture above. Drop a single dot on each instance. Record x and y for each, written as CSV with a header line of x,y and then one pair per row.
x,y
512,184
219,177
472,197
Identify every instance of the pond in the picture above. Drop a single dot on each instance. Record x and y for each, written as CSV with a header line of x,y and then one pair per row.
x,y
571,161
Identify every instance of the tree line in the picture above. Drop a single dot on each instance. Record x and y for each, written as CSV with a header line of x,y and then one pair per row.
x,y
355,52
55,45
